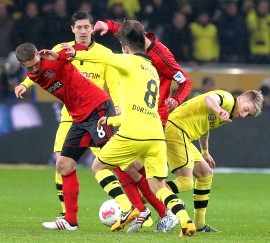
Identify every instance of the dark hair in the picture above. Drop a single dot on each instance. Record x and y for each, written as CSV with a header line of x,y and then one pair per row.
x,y
26,52
79,15
126,26
135,40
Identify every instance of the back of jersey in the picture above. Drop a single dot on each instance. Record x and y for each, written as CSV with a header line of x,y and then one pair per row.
x,y
139,89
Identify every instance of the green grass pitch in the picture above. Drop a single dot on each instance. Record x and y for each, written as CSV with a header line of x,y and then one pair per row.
x,y
239,206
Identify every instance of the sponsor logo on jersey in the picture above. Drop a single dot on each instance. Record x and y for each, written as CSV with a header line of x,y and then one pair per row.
x,y
49,74
179,77
54,87
144,111
211,119
91,75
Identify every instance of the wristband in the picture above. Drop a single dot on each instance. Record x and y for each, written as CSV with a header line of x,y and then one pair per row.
x,y
205,151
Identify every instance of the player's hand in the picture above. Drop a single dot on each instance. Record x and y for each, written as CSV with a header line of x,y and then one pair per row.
x,y
117,110
69,49
100,26
224,115
19,91
208,158
171,103
102,122
48,55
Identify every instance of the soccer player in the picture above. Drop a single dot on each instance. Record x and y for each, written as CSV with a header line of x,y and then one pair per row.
x,y
85,102
192,121
168,70
102,75
139,88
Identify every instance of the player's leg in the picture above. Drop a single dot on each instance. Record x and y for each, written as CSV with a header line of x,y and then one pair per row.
x,y
166,219
180,159
62,131
204,176
66,166
116,152
130,189
156,172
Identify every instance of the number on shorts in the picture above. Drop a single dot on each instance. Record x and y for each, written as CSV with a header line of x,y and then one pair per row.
x,y
101,133
150,96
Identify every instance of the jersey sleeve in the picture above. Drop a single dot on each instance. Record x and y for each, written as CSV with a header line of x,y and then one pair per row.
x,y
114,121
113,27
170,69
27,82
116,60
112,82
182,91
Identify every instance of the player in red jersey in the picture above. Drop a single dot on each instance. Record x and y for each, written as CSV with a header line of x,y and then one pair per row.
x,y
169,70
85,102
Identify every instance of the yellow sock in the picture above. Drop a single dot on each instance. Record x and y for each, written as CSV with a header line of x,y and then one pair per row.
x,y
111,186
59,188
180,184
201,197
172,202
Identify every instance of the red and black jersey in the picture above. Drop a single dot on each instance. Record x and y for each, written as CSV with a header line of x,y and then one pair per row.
x,y
60,78
168,70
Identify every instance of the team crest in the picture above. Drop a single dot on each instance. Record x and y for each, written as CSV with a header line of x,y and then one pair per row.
x,y
49,74
211,117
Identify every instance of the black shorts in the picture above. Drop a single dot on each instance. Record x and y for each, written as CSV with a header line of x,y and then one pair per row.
x,y
86,134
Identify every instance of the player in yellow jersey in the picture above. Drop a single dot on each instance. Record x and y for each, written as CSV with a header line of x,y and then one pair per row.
x,y
192,121
104,76
139,89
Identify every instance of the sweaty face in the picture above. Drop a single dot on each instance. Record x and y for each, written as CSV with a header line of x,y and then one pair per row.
x,y
244,108
82,31
33,66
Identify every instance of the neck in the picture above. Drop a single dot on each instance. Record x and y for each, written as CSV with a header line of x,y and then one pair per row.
x,y
147,42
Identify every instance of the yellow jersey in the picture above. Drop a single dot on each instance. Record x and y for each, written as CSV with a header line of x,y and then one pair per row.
x,y
195,118
139,93
104,76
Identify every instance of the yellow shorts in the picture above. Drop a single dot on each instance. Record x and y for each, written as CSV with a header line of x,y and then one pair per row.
x,y
121,152
180,150
61,135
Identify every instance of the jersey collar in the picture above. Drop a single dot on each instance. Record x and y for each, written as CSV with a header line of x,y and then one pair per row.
x,y
148,58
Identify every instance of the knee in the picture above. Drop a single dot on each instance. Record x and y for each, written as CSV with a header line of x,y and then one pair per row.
x,y
65,165
97,166
60,165
186,183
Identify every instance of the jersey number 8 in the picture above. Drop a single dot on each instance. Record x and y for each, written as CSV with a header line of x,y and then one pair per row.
x,y
150,97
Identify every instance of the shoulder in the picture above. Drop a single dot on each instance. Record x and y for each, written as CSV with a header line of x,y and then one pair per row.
x,y
99,47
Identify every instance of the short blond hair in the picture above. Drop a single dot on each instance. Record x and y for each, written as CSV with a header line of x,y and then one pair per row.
x,y
257,98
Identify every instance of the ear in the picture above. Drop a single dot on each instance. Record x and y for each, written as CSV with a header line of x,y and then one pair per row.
x,y
125,49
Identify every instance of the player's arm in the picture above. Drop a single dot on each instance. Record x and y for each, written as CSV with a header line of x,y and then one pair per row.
x,y
173,71
106,26
22,87
204,144
112,121
213,101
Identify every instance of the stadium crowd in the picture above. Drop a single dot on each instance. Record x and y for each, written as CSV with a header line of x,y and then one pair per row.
x,y
196,32
226,31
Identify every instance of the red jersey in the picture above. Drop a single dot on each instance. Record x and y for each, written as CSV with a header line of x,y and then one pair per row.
x,y
168,70
64,81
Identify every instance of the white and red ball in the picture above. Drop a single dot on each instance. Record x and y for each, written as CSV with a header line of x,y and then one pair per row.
x,y
109,212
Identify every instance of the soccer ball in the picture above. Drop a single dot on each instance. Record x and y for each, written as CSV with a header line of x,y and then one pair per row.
x,y
109,212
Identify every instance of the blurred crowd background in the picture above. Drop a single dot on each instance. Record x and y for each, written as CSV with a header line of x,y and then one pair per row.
x,y
196,31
